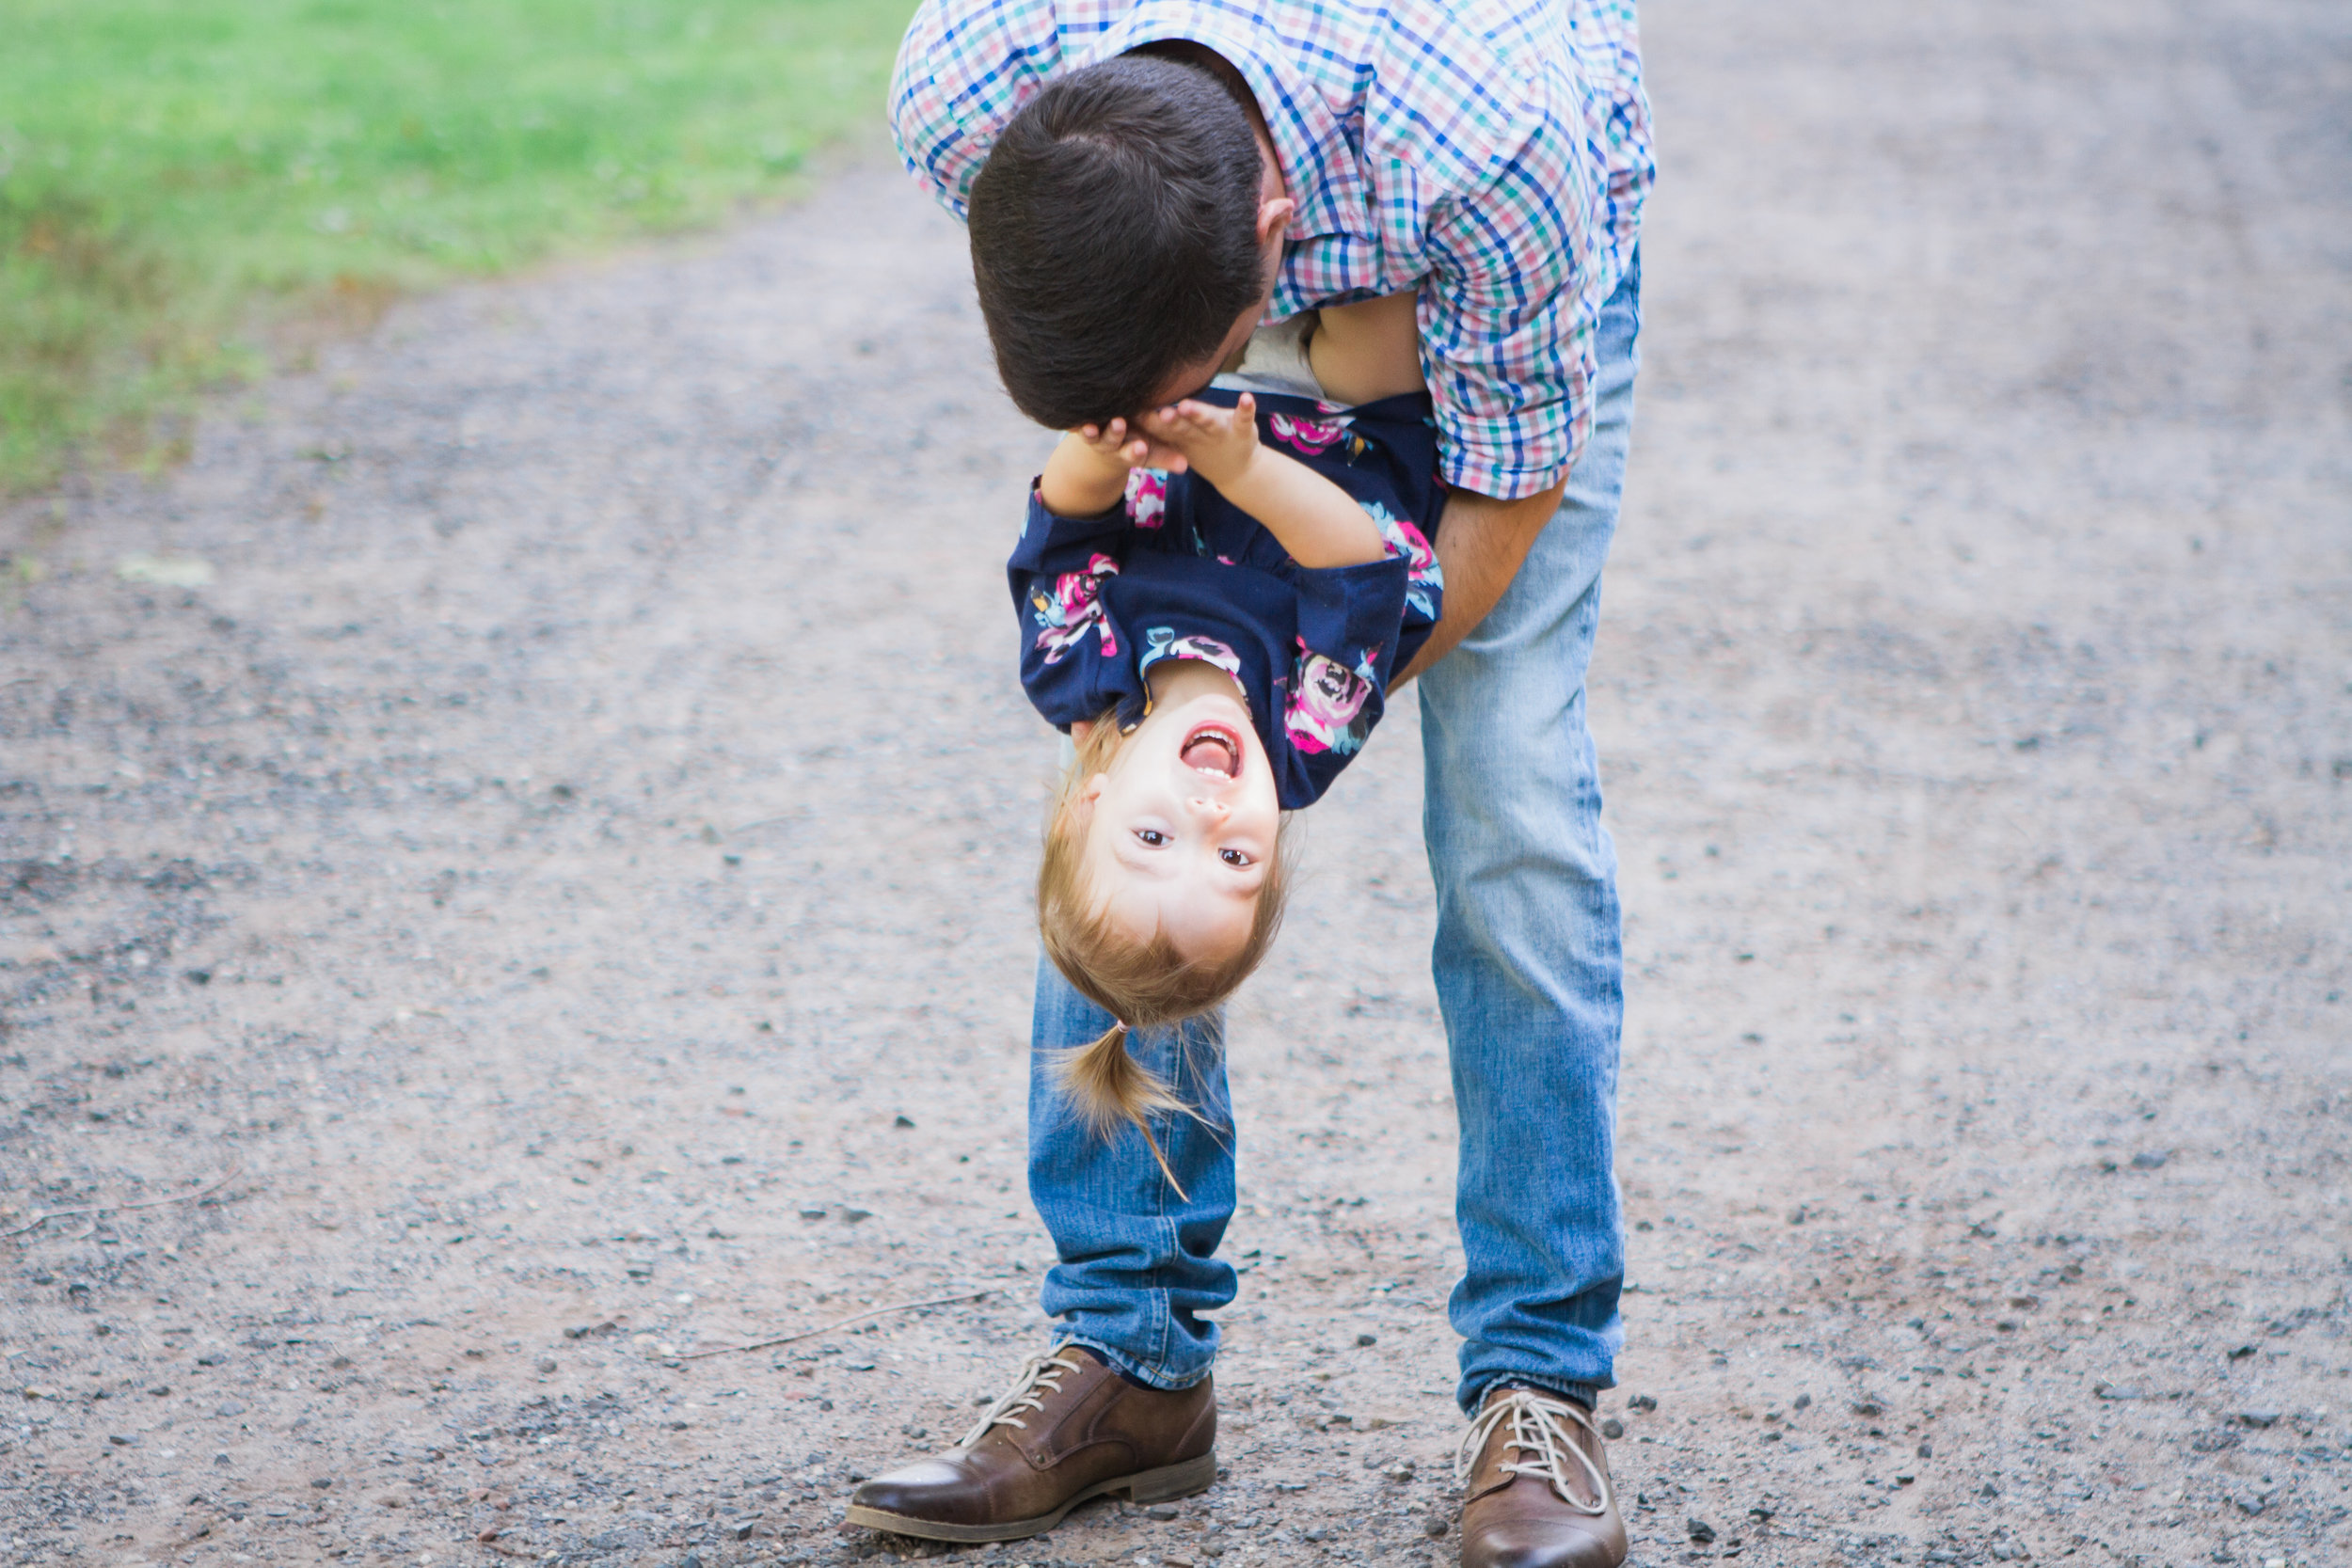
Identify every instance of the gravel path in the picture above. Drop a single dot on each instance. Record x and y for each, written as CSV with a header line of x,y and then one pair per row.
x,y
565,868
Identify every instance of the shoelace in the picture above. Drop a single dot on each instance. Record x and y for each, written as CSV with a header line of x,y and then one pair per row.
x,y
1039,1375
1542,1442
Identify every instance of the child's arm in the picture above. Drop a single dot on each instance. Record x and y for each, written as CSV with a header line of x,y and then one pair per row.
x,y
1316,521
1087,472
1371,350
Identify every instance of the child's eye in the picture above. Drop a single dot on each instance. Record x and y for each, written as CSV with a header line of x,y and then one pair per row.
x,y
1235,858
1151,836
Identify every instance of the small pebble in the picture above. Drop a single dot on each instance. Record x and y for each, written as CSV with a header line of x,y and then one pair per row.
x,y
1612,1428
1367,1339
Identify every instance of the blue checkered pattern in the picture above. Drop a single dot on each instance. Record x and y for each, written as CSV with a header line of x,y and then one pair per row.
x,y
1491,153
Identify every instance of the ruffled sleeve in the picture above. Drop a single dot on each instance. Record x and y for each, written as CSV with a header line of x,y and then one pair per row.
x,y
1073,664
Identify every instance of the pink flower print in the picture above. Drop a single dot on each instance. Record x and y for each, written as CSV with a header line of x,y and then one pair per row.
x,y
1423,577
1147,497
1075,607
1309,436
1163,643
1327,702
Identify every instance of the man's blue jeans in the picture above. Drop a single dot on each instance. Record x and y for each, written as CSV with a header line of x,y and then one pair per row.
x,y
1529,977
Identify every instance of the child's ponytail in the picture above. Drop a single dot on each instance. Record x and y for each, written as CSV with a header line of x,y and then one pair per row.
x,y
1107,1087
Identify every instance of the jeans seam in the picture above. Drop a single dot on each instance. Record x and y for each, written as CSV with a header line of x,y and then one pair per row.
x,y
1121,1361
1585,1394
1161,1297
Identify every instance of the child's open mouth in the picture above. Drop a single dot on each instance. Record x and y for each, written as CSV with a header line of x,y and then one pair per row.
x,y
1213,749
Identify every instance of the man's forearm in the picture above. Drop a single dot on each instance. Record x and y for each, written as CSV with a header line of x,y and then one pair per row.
x,y
1481,543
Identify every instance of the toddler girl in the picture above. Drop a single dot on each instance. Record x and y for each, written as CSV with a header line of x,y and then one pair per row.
x,y
1217,637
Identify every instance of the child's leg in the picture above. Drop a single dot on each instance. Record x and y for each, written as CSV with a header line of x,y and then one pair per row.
x,y
1138,1262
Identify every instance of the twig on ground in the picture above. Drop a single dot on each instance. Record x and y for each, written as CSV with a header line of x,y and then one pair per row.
x,y
766,822
38,1220
828,1328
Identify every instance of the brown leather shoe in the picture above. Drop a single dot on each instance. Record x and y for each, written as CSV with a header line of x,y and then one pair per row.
x,y
1537,1493
1069,1429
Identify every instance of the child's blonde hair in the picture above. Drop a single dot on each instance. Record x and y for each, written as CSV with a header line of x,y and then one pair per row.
x,y
1141,984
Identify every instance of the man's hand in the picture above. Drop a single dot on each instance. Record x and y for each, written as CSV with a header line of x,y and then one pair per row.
x,y
1481,543
1217,443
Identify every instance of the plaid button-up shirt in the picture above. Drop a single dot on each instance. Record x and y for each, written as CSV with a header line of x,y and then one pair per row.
x,y
1493,154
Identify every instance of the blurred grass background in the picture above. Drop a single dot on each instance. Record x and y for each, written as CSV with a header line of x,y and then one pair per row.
x,y
190,186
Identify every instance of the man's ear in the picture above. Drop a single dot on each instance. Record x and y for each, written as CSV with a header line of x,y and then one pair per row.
x,y
1274,216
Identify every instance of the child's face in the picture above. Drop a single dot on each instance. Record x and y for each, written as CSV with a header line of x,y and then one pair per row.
x,y
1180,830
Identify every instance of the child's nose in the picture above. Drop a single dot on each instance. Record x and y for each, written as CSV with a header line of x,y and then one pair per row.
x,y
1207,807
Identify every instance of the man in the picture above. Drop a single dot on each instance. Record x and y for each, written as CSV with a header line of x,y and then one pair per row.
x,y
1146,181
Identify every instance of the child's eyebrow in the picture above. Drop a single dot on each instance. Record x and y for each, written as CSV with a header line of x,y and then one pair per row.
x,y
1134,858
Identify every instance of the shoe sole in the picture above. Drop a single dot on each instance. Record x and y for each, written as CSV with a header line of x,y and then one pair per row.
x,y
1144,1486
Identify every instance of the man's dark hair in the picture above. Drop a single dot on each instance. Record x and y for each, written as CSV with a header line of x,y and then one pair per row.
x,y
1114,236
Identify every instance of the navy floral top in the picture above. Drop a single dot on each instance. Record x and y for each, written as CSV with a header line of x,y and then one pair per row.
x,y
1176,571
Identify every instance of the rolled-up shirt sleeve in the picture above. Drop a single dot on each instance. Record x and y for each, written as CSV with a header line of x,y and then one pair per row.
x,y
1507,320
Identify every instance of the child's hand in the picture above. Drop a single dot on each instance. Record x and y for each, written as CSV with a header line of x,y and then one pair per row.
x,y
1218,443
1089,465
1114,443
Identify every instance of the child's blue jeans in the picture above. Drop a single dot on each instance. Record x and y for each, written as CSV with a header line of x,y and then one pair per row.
x,y
1529,977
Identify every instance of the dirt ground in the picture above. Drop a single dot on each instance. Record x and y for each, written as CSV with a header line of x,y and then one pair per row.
x,y
517,853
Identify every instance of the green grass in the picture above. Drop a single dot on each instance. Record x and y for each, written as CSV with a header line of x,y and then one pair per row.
x,y
181,180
